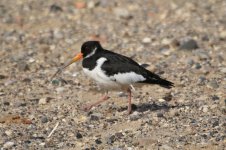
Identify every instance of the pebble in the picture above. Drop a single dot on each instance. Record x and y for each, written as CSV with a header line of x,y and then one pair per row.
x,y
189,44
6,103
44,119
190,62
8,132
96,116
23,66
135,116
111,139
146,40
213,84
122,13
55,8
205,108
78,135
165,147
2,76
223,70
201,80
215,124
8,144
160,114
202,54
197,66
98,141
42,101
60,90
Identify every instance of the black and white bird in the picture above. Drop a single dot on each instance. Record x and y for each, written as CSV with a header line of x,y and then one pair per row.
x,y
113,71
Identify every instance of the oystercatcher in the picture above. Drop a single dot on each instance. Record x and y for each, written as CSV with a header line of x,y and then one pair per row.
x,y
113,71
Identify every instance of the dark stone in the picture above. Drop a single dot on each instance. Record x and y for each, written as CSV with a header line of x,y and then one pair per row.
x,y
2,76
55,8
44,119
98,141
23,66
119,135
160,114
189,45
215,124
215,97
92,148
198,66
111,139
6,103
78,135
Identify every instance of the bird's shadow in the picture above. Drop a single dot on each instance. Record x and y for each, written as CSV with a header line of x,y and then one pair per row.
x,y
151,107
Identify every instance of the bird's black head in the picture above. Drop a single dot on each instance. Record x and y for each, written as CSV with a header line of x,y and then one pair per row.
x,y
89,48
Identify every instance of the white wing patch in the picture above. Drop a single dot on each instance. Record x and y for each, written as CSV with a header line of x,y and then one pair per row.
x,y
128,78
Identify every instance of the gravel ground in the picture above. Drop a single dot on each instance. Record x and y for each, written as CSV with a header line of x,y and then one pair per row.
x,y
183,41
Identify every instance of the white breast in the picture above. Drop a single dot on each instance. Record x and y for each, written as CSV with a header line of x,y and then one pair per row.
x,y
99,75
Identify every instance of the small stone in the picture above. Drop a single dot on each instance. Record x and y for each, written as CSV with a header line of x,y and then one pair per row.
x,y
91,4
8,132
189,44
160,114
190,62
23,66
42,101
161,100
60,89
2,76
119,135
165,147
20,104
55,82
201,80
135,116
215,97
223,70
205,109
122,13
6,103
44,119
213,84
8,144
202,54
80,4
215,124
78,135
111,139
96,116
98,141
122,94
197,66
146,40
55,8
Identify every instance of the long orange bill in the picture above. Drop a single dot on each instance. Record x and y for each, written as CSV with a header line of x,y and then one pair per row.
x,y
76,58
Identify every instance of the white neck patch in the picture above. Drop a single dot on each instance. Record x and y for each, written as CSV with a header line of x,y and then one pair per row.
x,y
93,52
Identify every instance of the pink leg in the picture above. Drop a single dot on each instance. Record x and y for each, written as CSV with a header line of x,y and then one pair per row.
x,y
89,106
129,101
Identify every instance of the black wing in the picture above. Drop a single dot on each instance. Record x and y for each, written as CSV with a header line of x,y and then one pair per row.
x,y
117,63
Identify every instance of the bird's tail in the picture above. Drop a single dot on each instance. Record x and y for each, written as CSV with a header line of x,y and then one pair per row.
x,y
164,83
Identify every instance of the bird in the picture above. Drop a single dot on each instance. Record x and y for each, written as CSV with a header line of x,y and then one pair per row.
x,y
113,71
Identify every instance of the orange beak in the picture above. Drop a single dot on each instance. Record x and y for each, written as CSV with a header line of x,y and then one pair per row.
x,y
76,58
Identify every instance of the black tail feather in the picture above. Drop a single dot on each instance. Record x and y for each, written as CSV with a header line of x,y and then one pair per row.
x,y
166,84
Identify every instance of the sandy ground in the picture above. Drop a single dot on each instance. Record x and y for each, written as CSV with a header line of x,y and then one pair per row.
x,y
183,41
